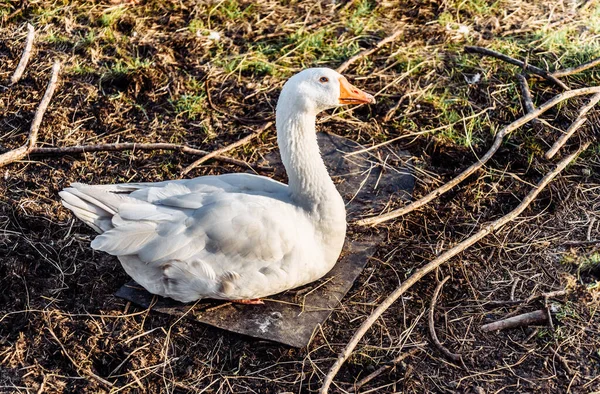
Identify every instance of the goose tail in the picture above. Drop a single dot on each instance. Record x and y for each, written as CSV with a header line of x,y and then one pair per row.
x,y
94,205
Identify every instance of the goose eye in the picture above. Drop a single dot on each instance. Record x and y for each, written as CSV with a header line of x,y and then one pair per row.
x,y
324,80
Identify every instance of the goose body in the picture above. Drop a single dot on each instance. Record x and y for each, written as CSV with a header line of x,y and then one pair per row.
x,y
233,236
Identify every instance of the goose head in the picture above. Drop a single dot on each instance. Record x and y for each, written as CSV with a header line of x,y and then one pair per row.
x,y
317,89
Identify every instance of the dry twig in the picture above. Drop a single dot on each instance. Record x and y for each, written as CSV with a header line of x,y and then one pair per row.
x,y
527,99
227,148
344,66
521,304
524,320
70,150
441,259
535,70
581,119
30,149
374,220
21,152
575,70
382,369
434,337
578,243
25,56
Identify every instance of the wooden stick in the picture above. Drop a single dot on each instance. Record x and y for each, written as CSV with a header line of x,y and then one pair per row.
x,y
434,337
382,369
369,51
21,152
41,110
374,220
577,243
581,119
527,99
526,319
575,70
71,150
25,56
522,303
78,149
441,259
227,148
535,70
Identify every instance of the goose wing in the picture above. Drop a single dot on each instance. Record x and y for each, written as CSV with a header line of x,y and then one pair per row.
x,y
221,238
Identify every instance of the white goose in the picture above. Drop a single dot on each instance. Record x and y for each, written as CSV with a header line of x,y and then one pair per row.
x,y
235,237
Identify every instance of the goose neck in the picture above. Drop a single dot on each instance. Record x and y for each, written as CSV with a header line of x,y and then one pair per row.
x,y
309,181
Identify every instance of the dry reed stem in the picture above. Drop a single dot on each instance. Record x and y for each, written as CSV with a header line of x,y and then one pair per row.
x,y
227,148
434,337
581,119
524,320
21,152
441,259
575,70
117,147
369,51
374,220
25,56
535,70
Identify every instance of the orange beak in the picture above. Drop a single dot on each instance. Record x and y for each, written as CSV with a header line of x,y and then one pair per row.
x,y
352,95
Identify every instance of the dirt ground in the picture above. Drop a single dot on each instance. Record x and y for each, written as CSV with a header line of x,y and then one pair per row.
x,y
142,71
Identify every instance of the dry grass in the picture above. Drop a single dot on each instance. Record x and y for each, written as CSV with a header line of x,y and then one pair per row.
x,y
136,73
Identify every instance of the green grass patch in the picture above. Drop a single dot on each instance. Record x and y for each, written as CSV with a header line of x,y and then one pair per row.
x,y
196,26
122,68
191,106
363,17
461,128
87,40
81,69
110,18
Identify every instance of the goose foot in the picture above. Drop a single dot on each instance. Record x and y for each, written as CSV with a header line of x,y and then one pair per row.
x,y
255,301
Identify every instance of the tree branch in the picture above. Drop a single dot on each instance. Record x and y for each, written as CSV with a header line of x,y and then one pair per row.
x,y
581,119
535,70
21,152
441,259
449,355
71,150
575,70
527,99
25,56
526,319
227,148
374,220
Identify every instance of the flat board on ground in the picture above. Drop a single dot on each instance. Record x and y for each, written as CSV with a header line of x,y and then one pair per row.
x,y
367,181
